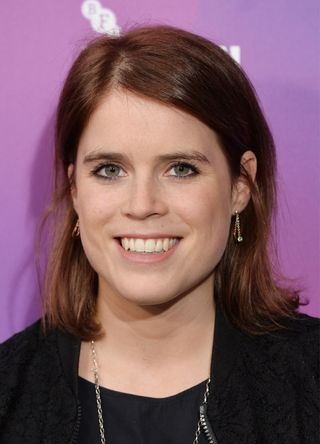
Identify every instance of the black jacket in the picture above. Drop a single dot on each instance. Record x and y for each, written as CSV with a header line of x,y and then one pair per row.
x,y
265,388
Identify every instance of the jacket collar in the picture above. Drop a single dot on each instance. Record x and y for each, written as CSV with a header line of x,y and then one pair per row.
x,y
225,348
69,354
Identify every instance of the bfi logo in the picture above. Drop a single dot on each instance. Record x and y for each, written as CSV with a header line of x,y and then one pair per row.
x,y
104,21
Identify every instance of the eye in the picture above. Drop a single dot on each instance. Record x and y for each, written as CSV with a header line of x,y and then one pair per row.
x,y
109,171
183,169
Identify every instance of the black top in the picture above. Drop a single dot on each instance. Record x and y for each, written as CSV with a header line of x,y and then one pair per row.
x,y
138,419
265,389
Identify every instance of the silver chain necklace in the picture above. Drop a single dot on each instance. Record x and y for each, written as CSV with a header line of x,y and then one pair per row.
x,y
202,423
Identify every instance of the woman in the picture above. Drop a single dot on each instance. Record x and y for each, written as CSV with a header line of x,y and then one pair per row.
x,y
163,320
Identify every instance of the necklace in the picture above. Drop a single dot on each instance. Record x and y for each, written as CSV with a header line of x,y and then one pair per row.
x,y
203,423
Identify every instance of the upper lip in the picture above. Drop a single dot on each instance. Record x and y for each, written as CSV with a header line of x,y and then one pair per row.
x,y
147,236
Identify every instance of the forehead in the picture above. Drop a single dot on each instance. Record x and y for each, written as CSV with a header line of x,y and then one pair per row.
x,y
124,121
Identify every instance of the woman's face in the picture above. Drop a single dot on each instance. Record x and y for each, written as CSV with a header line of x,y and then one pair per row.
x,y
154,197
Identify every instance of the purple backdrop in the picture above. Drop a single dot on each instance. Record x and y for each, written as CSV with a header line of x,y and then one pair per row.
x,y
279,44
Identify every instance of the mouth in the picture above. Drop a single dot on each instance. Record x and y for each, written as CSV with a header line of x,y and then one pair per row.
x,y
147,246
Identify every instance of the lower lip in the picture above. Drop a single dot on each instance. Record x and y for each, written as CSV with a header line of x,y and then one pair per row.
x,y
146,258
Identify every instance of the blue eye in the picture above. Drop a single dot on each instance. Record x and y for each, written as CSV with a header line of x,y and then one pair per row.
x,y
111,171
108,171
183,169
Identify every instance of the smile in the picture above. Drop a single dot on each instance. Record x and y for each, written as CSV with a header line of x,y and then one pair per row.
x,y
148,245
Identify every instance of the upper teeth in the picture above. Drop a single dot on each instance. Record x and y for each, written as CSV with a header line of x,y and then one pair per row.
x,y
148,245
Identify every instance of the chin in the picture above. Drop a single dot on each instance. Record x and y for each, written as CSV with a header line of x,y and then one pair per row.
x,y
141,294
149,300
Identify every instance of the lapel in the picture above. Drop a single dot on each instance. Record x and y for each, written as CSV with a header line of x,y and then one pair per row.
x,y
63,410
229,417
69,353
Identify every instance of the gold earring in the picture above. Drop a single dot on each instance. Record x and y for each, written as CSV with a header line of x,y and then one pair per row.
x,y
76,230
236,230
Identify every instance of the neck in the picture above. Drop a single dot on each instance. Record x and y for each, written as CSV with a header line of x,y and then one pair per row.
x,y
161,342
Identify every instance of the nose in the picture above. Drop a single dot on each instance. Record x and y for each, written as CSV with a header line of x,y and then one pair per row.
x,y
145,198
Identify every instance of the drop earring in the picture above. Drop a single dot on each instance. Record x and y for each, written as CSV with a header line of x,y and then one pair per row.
x,y
237,230
76,230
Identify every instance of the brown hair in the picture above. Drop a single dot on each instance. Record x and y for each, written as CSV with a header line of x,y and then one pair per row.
x,y
177,68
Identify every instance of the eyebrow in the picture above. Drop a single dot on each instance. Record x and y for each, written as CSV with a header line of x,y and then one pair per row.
x,y
99,155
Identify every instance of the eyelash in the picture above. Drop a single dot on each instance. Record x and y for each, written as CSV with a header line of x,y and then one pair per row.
x,y
190,166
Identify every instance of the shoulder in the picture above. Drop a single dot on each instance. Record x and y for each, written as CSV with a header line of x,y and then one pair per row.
x,y
290,354
31,347
31,377
18,348
296,331
302,336
24,357
279,376
19,341
297,335
21,348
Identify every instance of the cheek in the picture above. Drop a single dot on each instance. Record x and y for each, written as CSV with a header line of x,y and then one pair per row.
x,y
96,211
208,213
96,205
207,207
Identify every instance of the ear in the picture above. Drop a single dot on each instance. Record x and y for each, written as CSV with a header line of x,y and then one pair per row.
x,y
241,192
73,188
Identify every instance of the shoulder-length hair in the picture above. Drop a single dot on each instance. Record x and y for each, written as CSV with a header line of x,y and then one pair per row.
x,y
183,70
